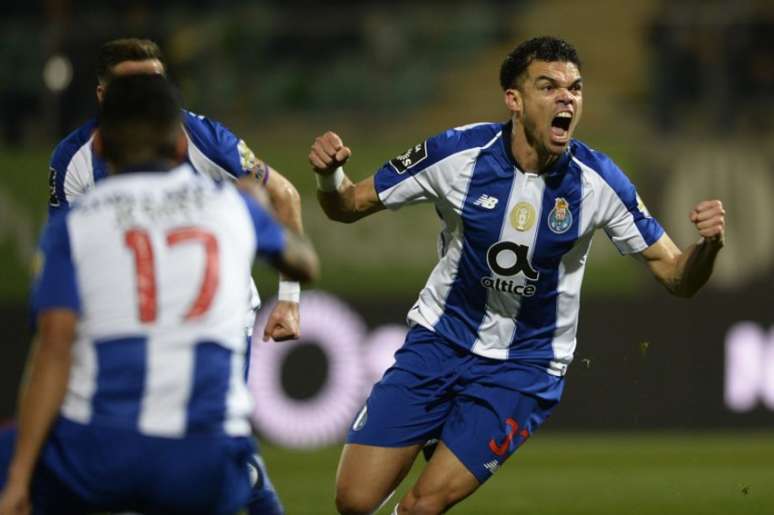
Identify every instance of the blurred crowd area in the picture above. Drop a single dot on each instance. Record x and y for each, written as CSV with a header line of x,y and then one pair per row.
x,y
706,63
247,61
679,93
713,63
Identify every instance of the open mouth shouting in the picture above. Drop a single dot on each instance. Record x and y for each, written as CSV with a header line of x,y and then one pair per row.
x,y
560,127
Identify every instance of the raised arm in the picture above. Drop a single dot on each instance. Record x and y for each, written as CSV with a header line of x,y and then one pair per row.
x,y
285,201
684,272
340,198
298,260
284,322
289,252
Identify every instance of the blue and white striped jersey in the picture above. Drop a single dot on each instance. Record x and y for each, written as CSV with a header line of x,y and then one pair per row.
x,y
213,150
155,263
513,247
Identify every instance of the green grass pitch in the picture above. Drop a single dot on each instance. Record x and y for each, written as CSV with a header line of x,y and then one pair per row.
x,y
582,474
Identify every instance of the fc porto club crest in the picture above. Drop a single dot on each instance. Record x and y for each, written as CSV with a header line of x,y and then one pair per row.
x,y
560,217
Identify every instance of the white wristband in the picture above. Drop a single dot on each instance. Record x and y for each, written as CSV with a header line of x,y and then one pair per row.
x,y
289,291
330,182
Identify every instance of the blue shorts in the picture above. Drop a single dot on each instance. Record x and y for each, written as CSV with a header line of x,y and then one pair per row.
x,y
482,409
85,469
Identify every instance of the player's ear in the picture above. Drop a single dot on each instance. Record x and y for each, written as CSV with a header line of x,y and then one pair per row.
x,y
513,100
100,92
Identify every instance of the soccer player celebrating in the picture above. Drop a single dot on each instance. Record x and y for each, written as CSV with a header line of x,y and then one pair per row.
x,y
212,150
133,397
493,330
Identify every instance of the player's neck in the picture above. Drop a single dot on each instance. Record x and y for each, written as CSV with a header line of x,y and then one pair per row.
x,y
527,153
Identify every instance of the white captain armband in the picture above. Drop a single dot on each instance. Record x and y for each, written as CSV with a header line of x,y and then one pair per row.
x,y
289,291
330,182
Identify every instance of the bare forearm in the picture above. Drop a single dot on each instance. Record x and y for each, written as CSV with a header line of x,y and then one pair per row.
x,y
287,205
340,205
693,268
299,261
40,399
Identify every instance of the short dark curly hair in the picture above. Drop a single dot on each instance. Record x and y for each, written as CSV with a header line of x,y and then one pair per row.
x,y
544,48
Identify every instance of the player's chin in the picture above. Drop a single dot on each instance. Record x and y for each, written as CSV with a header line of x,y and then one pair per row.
x,y
558,140
557,146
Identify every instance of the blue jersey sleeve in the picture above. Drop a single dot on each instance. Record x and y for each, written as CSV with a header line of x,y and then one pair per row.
x,y
57,201
219,152
624,217
56,285
427,170
269,234
59,165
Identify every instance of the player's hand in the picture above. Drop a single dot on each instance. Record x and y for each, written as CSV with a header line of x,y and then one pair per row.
x,y
15,500
709,217
284,323
328,153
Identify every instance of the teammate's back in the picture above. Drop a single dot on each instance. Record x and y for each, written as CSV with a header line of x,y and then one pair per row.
x,y
135,399
162,261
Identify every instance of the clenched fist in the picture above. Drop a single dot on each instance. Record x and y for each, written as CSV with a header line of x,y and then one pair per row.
x,y
328,153
709,217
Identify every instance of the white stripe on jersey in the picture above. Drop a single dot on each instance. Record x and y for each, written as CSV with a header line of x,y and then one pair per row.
x,y
499,324
204,164
459,168
609,207
238,398
571,271
447,179
163,413
432,298
79,176
82,382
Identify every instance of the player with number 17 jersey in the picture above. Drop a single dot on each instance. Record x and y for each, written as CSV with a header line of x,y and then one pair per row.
x,y
156,264
212,150
158,230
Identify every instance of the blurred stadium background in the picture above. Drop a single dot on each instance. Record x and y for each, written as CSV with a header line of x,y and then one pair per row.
x,y
669,407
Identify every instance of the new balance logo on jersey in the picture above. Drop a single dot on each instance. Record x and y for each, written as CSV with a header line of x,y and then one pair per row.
x,y
492,466
486,201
